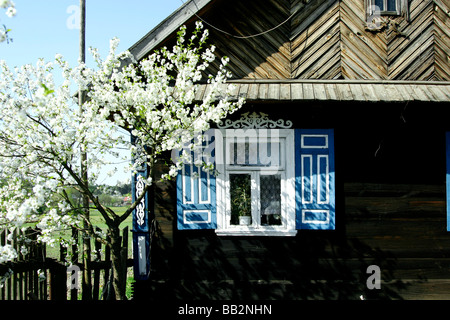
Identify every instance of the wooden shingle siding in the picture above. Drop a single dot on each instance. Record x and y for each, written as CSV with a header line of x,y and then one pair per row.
x,y
327,39
323,39
315,39
338,90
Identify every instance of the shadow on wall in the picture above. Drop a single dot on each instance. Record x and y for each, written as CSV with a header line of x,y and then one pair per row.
x,y
198,265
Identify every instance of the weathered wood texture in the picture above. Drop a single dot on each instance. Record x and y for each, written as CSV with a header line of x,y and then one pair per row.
x,y
391,212
390,154
327,39
400,228
336,90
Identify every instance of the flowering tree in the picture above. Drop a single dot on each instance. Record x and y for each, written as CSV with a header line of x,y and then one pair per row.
x,y
9,6
43,132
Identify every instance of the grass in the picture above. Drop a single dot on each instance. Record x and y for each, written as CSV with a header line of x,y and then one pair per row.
x,y
97,221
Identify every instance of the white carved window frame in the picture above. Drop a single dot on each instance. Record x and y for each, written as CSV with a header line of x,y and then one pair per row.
x,y
257,123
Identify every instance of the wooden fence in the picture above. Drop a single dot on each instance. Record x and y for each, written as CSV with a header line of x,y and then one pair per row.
x,y
34,275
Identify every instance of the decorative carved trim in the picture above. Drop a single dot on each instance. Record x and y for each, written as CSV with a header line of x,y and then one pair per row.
x,y
138,158
140,208
255,121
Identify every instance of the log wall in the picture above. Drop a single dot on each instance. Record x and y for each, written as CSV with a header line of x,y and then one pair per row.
x,y
390,212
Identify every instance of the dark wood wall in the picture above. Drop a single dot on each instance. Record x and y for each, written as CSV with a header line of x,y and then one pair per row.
x,y
391,212
390,160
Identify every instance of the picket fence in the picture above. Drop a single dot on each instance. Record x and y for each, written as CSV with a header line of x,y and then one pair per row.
x,y
33,275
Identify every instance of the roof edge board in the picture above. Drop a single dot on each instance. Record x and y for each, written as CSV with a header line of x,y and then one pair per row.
x,y
339,81
169,25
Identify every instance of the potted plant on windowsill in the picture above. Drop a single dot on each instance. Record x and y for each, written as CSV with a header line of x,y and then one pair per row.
x,y
241,206
245,220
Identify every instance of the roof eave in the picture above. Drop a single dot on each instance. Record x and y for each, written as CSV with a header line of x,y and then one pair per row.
x,y
171,24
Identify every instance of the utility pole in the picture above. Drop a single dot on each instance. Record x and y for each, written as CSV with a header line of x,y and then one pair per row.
x,y
86,280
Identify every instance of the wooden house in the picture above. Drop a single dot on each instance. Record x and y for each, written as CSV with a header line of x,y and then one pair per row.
x,y
351,99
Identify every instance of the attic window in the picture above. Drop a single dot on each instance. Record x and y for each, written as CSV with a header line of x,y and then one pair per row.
x,y
384,7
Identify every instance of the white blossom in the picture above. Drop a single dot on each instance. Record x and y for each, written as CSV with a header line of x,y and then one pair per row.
x,y
11,12
7,253
43,129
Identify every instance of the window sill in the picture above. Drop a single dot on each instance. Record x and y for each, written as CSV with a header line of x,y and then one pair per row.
x,y
390,13
256,233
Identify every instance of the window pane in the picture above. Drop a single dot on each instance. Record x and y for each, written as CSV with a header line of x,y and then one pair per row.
x,y
391,5
270,195
241,198
379,4
261,154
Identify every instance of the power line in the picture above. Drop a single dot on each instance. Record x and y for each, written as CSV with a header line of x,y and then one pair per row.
x,y
236,36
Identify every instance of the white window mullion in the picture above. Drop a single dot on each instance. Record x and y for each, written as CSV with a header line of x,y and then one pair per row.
x,y
256,203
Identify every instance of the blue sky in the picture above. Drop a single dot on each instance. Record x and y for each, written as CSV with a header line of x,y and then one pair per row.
x,y
44,28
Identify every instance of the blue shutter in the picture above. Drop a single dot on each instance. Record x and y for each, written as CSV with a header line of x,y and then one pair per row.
x,y
448,178
196,190
141,234
314,179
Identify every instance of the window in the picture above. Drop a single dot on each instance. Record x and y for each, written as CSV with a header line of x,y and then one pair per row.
x,y
384,7
266,181
254,182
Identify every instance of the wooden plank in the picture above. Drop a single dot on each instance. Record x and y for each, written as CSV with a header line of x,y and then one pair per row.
x,y
380,92
331,91
319,91
285,91
308,91
297,91
411,92
404,92
243,90
406,53
357,92
345,92
445,90
393,93
421,94
253,91
273,92
438,94
369,92
263,91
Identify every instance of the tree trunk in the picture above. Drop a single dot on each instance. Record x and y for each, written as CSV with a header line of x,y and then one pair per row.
x,y
118,263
